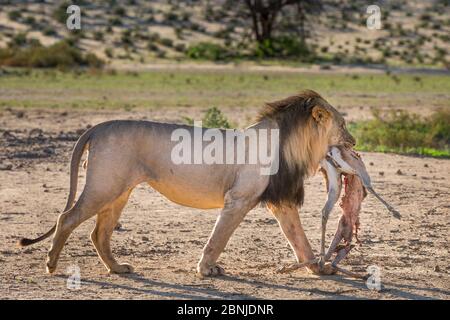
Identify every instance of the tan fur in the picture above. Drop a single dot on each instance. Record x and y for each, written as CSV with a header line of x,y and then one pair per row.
x,y
125,153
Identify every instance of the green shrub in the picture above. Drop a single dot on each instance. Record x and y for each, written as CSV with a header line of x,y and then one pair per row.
x,y
126,37
98,35
93,61
109,52
30,21
213,118
180,47
400,131
166,42
59,55
49,31
207,51
284,46
14,15
120,11
115,21
19,39
60,13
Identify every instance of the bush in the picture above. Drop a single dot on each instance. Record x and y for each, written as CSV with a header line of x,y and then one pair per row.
x,y
60,13
126,37
120,11
98,35
49,31
14,15
207,51
166,42
180,47
60,55
400,131
109,53
285,46
213,118
19,39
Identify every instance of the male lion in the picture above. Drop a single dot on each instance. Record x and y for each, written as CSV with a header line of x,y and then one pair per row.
x,y
123,154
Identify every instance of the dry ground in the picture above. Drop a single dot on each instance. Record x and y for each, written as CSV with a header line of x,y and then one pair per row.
x,y
164,241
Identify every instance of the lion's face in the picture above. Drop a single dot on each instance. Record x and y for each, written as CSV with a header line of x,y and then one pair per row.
x,y
334,125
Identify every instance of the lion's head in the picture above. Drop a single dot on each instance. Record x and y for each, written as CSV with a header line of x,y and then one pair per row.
x,y
308,126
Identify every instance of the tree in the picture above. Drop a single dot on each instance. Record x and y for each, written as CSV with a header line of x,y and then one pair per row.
x,y
264,15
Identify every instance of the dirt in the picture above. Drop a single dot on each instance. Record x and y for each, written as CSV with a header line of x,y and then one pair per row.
x,y
163,241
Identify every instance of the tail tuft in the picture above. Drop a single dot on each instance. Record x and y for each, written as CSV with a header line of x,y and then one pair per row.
x,y
25,242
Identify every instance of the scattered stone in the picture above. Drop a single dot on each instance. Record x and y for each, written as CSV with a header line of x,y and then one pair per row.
x,y
20,114
35,133
49,151
6,167
9,136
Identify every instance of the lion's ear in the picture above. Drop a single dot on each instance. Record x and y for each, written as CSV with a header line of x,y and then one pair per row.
x,y
320,114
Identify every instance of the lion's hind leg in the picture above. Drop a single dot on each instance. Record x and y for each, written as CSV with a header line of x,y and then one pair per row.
x,y
85,208
93,200
101,235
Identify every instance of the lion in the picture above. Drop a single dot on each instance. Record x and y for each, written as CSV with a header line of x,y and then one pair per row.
x,y
125,153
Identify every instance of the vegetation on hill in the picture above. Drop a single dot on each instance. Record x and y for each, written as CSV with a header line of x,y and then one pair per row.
x,y
413,32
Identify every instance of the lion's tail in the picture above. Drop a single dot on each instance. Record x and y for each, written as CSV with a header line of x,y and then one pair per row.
x,y
77,153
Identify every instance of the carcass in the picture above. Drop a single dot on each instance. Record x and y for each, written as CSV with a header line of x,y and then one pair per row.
x,y
341,162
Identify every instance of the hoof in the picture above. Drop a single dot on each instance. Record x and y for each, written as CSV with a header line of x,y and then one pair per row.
x,y
210,271
122,268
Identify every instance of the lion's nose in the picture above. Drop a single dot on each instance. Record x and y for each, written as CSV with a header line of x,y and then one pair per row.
x,y
350,144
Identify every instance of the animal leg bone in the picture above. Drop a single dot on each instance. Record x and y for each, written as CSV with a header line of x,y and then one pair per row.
x,y
294,266
334,187
342,253
391,209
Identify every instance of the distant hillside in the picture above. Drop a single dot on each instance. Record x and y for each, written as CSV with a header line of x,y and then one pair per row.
x,y
413,33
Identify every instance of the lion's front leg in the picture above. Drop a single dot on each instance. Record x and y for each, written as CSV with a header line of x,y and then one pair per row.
x,y
289,221
229,218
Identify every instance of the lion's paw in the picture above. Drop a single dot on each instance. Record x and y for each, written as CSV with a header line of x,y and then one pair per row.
x,y
50,268
210,271
327,269
122,268
50,265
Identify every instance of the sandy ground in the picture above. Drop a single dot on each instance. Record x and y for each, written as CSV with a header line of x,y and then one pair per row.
x,y
164,241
